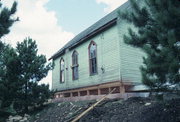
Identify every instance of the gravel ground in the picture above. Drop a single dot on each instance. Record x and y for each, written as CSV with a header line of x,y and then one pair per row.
x,y
117,110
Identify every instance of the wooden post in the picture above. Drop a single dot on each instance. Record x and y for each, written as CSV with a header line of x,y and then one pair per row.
x,y
122,89
99,93
71,94
88,92
78,93
91,107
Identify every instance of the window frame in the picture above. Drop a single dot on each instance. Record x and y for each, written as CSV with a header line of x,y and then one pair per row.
x,y
62,71
90,59
75,65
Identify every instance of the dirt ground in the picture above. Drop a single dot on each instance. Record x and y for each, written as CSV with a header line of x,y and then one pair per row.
x,y
117,110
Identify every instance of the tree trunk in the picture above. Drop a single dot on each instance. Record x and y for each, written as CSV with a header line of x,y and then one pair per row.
x,y
26,98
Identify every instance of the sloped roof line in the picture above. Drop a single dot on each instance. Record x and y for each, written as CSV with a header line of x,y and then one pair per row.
x,y
89,31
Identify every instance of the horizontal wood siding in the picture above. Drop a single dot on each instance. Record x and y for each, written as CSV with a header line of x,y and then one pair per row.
x,y
107,57
130,57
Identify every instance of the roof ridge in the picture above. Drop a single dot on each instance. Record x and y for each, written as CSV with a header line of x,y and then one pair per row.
x,y
107,18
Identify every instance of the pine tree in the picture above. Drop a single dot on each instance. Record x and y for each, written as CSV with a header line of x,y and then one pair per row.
x,y
158,35
33,68
6,18
40,94
9,79
6,21
20,71
8,64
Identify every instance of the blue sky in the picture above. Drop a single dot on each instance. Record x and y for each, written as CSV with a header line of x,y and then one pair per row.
x,y
52,23
76,16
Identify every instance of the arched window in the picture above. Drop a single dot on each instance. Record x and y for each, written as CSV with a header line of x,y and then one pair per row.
x,y
92,58
75,65
62,70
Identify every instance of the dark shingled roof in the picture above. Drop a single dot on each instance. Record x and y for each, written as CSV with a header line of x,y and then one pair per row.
x,y
89,32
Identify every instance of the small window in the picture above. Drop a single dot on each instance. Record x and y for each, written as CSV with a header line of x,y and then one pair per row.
x,y
75,74
62,71
93,58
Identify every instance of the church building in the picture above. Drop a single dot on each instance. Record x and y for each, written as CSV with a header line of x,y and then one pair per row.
x,y
97,60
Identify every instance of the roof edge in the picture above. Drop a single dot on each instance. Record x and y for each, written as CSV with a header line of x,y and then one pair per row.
x,y
105,26
94,29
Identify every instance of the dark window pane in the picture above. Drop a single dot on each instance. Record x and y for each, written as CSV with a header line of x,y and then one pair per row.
x,y
76,72
93,68
93,65
75,58
75,65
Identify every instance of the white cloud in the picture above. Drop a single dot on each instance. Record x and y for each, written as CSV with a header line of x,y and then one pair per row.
x,y
111,4
39,24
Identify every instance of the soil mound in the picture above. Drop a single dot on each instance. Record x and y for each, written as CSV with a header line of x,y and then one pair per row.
x,y
132,110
